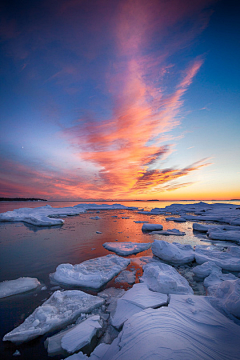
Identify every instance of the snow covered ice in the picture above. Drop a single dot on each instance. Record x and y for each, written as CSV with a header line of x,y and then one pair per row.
x,y
174,232
164,278
93,273
188,328
126,248
126,276
62,308
13,287
174,253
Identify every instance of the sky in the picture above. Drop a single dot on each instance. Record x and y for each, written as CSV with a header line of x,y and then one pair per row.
x,y
124,99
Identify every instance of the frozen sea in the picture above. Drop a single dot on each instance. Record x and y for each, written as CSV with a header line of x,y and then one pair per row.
x,y
31,251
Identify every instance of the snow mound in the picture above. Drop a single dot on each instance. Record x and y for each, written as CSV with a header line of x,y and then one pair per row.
x,y
179,331
126,248
13,287
165,279
174,253
93,273
219,234
62,308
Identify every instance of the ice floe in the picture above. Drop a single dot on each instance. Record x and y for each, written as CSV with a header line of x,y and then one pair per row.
x,y
126,248
136,299
179,331
93,273
227,258
151,227
21,285
81,334
174,232
165,279
205,269
126,276
176,219
78,356
49,216
62,308
174,253
228,294
218,234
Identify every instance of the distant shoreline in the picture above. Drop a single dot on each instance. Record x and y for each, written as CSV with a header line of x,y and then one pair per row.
x,y
21,199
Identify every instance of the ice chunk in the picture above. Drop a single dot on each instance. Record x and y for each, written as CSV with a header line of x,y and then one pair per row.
x,y
218,234
205,269
174,253
13,287
40,216
95,217
126,248
228,292
133,301
126,276
92,273
167,232
165,279
151,227
215,278
62,308
228,259
81,334
99,351
179,331
78,356
176,219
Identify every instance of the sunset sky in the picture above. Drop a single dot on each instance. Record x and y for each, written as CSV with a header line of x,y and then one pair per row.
x,y
123,99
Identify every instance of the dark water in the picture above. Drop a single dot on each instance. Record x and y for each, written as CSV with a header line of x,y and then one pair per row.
x,y
26,250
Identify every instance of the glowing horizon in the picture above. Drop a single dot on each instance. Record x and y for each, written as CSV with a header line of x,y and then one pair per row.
x,y
117,101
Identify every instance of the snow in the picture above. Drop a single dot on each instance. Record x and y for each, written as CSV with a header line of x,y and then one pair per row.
x,y
188,328
20,285
174,253
165,279
229,259
93,273
81,334
151,227
167,232
126,248
136,299
99,351
126,276
62,308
